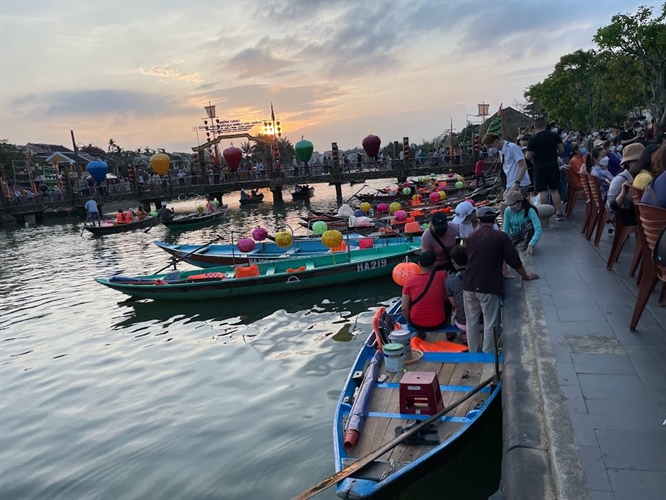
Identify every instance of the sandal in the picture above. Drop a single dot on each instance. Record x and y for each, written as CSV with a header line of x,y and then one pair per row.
x,y
560,217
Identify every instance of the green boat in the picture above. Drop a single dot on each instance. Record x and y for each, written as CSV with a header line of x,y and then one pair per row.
x,y
266,277
195,220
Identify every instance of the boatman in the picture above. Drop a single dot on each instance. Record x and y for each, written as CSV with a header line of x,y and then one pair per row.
x,y
93,212
164,214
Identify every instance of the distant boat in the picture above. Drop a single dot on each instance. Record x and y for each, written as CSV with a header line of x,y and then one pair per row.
x,y
266,277
252,200
109,227
195,220
304,193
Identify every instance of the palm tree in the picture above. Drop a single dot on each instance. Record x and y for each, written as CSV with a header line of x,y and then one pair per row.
x,y
112,146
249,150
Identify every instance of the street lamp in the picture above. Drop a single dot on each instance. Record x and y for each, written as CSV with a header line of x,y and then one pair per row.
x,y
273,129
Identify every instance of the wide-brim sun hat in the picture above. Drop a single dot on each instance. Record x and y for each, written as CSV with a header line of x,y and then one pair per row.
x,y
513,197
632,152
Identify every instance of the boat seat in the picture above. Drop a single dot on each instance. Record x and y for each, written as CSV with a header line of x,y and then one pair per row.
x,y
292,251
376,470
255,250
202,251
309,265
270,270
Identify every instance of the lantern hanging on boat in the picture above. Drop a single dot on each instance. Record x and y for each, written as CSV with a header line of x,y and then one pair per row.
x,y
394,207
403,271
284,239
407,190
400,215
97,170
304,150
365,207
216,202
371,145
259,233
245,245
434,197
331,238
319,227
459,185
232,155
382,208
442,195
153,213
160,163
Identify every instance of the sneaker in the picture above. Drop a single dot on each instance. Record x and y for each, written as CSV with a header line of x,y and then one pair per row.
x,y
560,217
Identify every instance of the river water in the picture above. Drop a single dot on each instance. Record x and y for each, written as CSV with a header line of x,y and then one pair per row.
x,y
228,399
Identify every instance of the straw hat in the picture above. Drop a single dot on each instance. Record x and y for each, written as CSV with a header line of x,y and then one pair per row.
x,y
632,152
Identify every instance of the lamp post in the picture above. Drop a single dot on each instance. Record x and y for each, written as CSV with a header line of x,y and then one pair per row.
x,y
273,129
483,111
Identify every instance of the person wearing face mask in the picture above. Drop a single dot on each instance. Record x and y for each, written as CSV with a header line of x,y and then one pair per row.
x,y
514,165
544,148
466,219
600,170
440,238
521,222
618,199
576,164
642,172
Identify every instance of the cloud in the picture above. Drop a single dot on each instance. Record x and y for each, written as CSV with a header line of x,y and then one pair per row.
x,y
171,71
255,61
98,102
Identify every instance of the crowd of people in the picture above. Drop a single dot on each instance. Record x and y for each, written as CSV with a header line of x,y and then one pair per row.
x,y
464,262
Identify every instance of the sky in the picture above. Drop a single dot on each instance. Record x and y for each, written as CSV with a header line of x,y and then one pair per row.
x,y
140,72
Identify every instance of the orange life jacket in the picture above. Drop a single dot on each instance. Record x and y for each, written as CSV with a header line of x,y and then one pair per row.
x,y
128,216
119,218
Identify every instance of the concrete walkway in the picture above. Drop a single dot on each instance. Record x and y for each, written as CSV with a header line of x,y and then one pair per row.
x,y
613,380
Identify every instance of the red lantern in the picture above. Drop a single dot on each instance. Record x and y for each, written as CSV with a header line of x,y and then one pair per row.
x,y
403,271
245,245
233,156
371,145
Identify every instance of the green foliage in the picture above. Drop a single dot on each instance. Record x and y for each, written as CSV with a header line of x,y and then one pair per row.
x,y
8,154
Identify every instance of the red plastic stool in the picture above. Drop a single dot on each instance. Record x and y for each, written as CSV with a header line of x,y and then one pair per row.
x,y
420,394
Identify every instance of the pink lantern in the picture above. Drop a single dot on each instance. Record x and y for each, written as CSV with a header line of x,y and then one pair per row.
x,y
245,245
434,197
382,208
233,157
259,234
400,215
371,145
471,201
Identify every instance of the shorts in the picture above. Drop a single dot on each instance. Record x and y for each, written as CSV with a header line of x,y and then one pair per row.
x,y
546,179
94,216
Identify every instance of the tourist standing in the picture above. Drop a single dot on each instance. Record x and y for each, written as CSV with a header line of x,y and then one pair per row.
x,y
440,238
513,162
544,148
487,249
92,212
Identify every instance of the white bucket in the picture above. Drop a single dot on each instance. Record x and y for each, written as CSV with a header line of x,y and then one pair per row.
x,y
394,357
403,337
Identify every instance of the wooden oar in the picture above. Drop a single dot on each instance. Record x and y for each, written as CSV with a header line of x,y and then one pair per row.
x,y
174,261
354,195
359,464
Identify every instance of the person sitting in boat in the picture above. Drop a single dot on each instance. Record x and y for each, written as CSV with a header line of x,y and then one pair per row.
x,y
164,214
210,206
298,188
141,213
253,193
424,296
243,195
120,217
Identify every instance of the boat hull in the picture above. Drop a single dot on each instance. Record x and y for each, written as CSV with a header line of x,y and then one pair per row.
x,y
274,277
193,221
458,373
121,228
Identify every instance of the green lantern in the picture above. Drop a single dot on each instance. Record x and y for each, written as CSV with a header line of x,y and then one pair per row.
x,y
319,227
304,150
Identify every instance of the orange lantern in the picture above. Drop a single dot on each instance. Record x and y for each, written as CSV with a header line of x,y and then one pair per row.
x,y
403,271
160,163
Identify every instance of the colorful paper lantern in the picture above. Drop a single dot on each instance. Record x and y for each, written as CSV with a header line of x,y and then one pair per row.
x,y
304,150
259,233
471,201
460,184
434,197
415,197
371,145
400,215
97,170
407,190
365,207
331,238
403,271
394,207
153,213
245,245
433,176
382,208
319,227
216,202
232,155
442,195
160,163
283,239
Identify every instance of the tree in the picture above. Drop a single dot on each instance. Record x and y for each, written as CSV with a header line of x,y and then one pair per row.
x,y
250,150
641,39
8,154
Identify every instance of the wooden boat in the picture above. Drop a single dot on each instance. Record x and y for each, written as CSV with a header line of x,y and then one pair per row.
x,y
304,193
109,227
252,200
219,255
195,220
370,412
266,277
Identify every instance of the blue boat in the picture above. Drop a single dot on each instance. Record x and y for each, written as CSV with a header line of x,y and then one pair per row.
x,y
383,443
223,255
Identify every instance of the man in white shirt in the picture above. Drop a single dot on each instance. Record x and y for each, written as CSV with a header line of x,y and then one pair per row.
x,y
513,162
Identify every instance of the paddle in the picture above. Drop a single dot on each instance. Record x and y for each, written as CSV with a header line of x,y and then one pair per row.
x,y
147,230
354,195
85,222
371,457
174,261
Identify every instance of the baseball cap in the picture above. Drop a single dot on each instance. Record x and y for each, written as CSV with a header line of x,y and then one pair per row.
x,y
486,214
439,222
463,210
427,258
